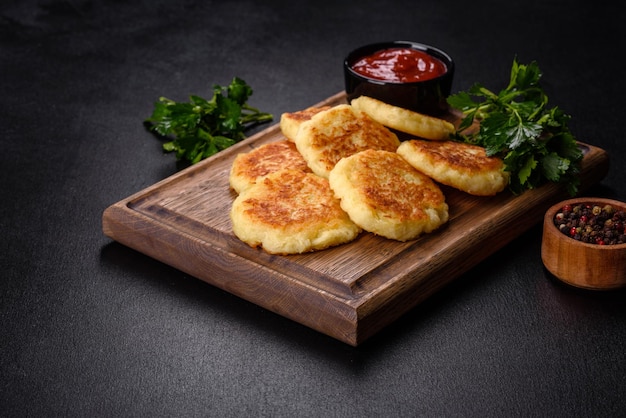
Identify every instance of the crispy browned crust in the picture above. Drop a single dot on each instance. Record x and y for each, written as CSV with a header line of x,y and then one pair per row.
x,y
340,132
290,211
249,167
463,166
459,156
290,121
292,197
390,185
384,194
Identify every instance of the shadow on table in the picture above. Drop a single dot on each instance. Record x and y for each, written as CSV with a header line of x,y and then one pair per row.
x,y
419,324
122,262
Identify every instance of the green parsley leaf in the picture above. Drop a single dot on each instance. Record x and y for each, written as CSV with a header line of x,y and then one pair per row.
x,y
201,128
516,124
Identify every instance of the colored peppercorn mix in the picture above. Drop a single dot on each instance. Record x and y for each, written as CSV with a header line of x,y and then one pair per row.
x,y
594,224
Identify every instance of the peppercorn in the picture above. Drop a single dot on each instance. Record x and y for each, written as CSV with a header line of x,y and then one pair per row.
x,y
592,223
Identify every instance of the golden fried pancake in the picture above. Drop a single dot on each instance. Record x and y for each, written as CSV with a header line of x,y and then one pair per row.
x,y
383,194
463,166
404,120
247,168
340,132
291,212
290,122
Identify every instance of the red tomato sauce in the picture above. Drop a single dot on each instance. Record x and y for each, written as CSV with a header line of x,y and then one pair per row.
x,y
401,65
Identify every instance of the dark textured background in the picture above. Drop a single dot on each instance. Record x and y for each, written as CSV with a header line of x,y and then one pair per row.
x,y
92,328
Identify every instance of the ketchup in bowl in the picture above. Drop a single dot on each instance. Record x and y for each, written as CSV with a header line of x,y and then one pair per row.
x,y
400,65
406,74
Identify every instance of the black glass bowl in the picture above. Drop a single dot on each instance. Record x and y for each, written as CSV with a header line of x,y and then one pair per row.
x,y
427,96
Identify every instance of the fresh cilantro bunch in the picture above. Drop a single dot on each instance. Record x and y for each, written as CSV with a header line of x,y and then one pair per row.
x,y
517,125
201,128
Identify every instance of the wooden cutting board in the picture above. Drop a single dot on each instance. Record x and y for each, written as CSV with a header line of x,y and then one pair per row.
x,y
349,292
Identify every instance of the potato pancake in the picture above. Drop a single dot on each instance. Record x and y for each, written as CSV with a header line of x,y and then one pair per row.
x,y
340,132
404,120
249,167
290,121
460,165
291,212
385,195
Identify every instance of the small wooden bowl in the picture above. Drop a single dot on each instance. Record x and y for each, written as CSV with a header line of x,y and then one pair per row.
x,y
580,264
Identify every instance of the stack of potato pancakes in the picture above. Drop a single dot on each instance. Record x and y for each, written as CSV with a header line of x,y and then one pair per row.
x,y
342,170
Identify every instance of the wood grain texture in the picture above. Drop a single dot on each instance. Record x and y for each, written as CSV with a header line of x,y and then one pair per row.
x,y
349,292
